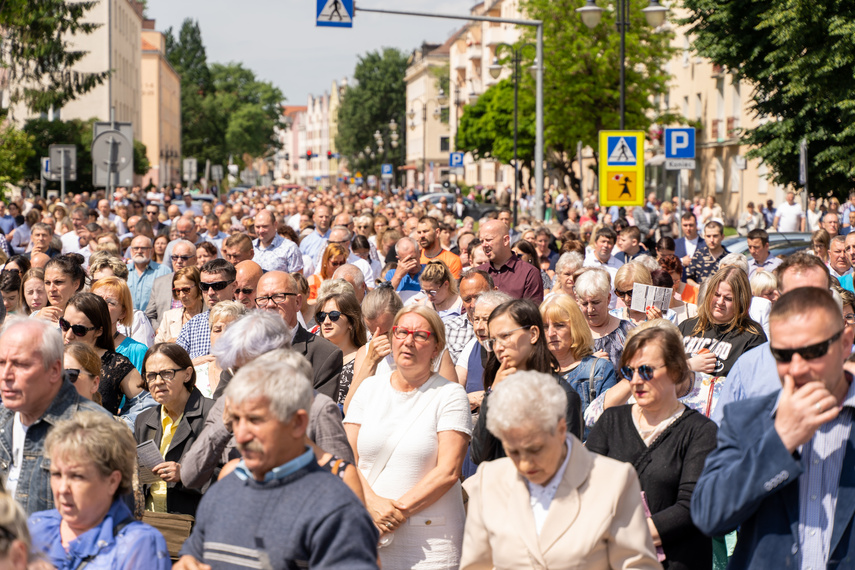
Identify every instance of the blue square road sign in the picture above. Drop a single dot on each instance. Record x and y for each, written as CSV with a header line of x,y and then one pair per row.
x,y
680,143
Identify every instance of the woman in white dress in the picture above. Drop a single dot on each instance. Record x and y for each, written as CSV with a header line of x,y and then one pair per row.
x,y
409,430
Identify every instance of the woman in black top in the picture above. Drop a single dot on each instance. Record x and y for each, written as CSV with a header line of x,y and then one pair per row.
x,y
665,441
86,319
517,342
722,331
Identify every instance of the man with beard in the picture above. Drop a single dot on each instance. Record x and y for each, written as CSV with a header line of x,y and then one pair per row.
x,y
428,236
142,272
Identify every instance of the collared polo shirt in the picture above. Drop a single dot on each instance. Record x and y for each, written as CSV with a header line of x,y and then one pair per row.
x,y
517,278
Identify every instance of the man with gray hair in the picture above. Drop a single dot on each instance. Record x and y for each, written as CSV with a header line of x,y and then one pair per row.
x,y
342,236
142,272
405,278
838,261
280,481
161,298
354,276
35,397
256,334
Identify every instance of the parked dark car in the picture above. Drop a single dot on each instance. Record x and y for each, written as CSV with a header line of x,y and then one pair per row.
x,y
739,244
472,208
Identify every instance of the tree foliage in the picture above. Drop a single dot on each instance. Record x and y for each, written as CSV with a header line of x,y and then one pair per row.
x,y
798,58
582,76
378,96
16,147
35,49
225,109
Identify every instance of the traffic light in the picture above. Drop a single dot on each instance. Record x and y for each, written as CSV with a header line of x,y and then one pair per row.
x,y
308,155
287,156
329,155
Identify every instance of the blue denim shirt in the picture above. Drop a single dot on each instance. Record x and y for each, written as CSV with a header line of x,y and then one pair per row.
x,y
33,491
140,285
135,546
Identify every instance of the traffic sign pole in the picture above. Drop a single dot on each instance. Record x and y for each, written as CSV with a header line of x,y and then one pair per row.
x,y
62,178
679,156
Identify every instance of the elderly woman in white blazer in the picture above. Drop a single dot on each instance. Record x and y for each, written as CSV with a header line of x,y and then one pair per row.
x,y
550,503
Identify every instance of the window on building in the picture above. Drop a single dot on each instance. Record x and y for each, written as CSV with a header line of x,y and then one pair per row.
x,y
444,144
444,113
735,176
719,176
763,179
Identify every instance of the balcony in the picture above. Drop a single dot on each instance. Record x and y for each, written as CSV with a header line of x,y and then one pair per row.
x,y
474,52
732,126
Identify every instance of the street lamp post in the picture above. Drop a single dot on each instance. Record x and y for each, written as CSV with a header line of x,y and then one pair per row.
x,y
393,138
495,71
591,14
439,102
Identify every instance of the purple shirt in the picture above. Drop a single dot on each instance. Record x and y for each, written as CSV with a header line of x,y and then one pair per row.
x,y
517,278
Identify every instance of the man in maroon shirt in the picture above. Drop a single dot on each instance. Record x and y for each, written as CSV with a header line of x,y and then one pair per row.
x,y
511,275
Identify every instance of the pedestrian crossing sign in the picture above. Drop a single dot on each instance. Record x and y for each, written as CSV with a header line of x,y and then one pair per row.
x,y
621,171
335,13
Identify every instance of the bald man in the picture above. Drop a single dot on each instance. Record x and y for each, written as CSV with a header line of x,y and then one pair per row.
x,y
272,251
248,274
510,274
39,260
353,275
277,292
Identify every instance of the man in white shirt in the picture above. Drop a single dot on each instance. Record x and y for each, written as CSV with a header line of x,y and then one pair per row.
x,y
685,246
71,241
602,257
790,217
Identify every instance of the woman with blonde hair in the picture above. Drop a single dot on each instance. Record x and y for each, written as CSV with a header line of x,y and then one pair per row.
x,y
15,549
569,340
116,294
335,255
820,242
83,369
764,284
723,330
413,493
625,279
439,288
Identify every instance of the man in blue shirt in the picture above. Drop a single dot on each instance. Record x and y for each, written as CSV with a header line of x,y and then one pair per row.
x,y
316,241
405,279
7,222
142,272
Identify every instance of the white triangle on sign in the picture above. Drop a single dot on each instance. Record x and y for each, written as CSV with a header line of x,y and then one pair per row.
x,y
621,152
334,11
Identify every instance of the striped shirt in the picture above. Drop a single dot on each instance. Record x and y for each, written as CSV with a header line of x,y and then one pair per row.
x,y
822,461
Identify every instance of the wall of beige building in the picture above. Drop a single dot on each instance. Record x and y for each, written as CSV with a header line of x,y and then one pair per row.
x,y
428,134
160,105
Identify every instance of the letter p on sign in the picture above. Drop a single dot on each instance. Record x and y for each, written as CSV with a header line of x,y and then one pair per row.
x,y
680,143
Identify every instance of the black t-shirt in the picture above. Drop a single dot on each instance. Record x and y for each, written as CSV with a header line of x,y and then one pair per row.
x,y
727,346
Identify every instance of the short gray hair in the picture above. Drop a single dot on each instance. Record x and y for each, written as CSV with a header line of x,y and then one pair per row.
x,y
185,242
351,271
291,358
526,398
48,343
763,282
493,298
249,337
734,260
572,259
593,282
414,243
233,309
285,387
342,229
648,262
381,300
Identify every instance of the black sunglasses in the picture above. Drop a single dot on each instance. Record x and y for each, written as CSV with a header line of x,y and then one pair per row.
x,y
811,352
183,257
218,286
73,374
623,293
77,330
645,371
321,316
245,291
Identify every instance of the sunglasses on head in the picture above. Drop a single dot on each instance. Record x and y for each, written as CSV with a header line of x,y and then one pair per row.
x,y
322,316
218,286
77,330
811,352
645,372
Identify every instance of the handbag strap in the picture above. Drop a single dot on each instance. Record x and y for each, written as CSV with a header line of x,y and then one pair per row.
x,y
390,444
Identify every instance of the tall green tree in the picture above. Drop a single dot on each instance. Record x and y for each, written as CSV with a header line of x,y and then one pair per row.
x,y
798,58
378,96
16,147
40,59
582,76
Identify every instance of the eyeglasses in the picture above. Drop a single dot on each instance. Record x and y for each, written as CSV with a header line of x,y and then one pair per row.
x,y
12,270
244,290
77,330
218,286
849,318
277,298
502,339
73,374
151,213
165,375
624,293
183,257
402,333
811,352
429,292
181,290
321,316
337,263
645,372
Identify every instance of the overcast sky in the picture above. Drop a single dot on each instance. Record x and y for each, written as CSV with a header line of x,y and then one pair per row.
x,y
279,41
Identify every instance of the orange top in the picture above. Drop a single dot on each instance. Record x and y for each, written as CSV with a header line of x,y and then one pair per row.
x,y
689,294
451,260
314,286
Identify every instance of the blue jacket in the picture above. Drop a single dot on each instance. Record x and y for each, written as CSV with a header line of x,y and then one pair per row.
x,y
33,491
750,482
118,542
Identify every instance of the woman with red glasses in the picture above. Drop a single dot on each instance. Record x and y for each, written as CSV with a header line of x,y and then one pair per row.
x,y
409,430
87,320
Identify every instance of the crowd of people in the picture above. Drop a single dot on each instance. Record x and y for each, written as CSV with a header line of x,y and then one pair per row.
x,y
286,379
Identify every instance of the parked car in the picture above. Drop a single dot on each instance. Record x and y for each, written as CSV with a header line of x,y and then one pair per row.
x,y
472,208
739,244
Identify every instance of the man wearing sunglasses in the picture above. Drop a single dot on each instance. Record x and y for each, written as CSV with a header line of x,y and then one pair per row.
x,y
754,374
161,298
783,469
218,285
277,292
246,282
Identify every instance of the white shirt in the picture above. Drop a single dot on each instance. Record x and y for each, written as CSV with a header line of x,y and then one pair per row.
x,y
541,495
70,242
691,245
788,217
19,434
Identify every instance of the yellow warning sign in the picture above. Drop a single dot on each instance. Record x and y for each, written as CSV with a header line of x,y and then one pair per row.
x,y
621,186
621,169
